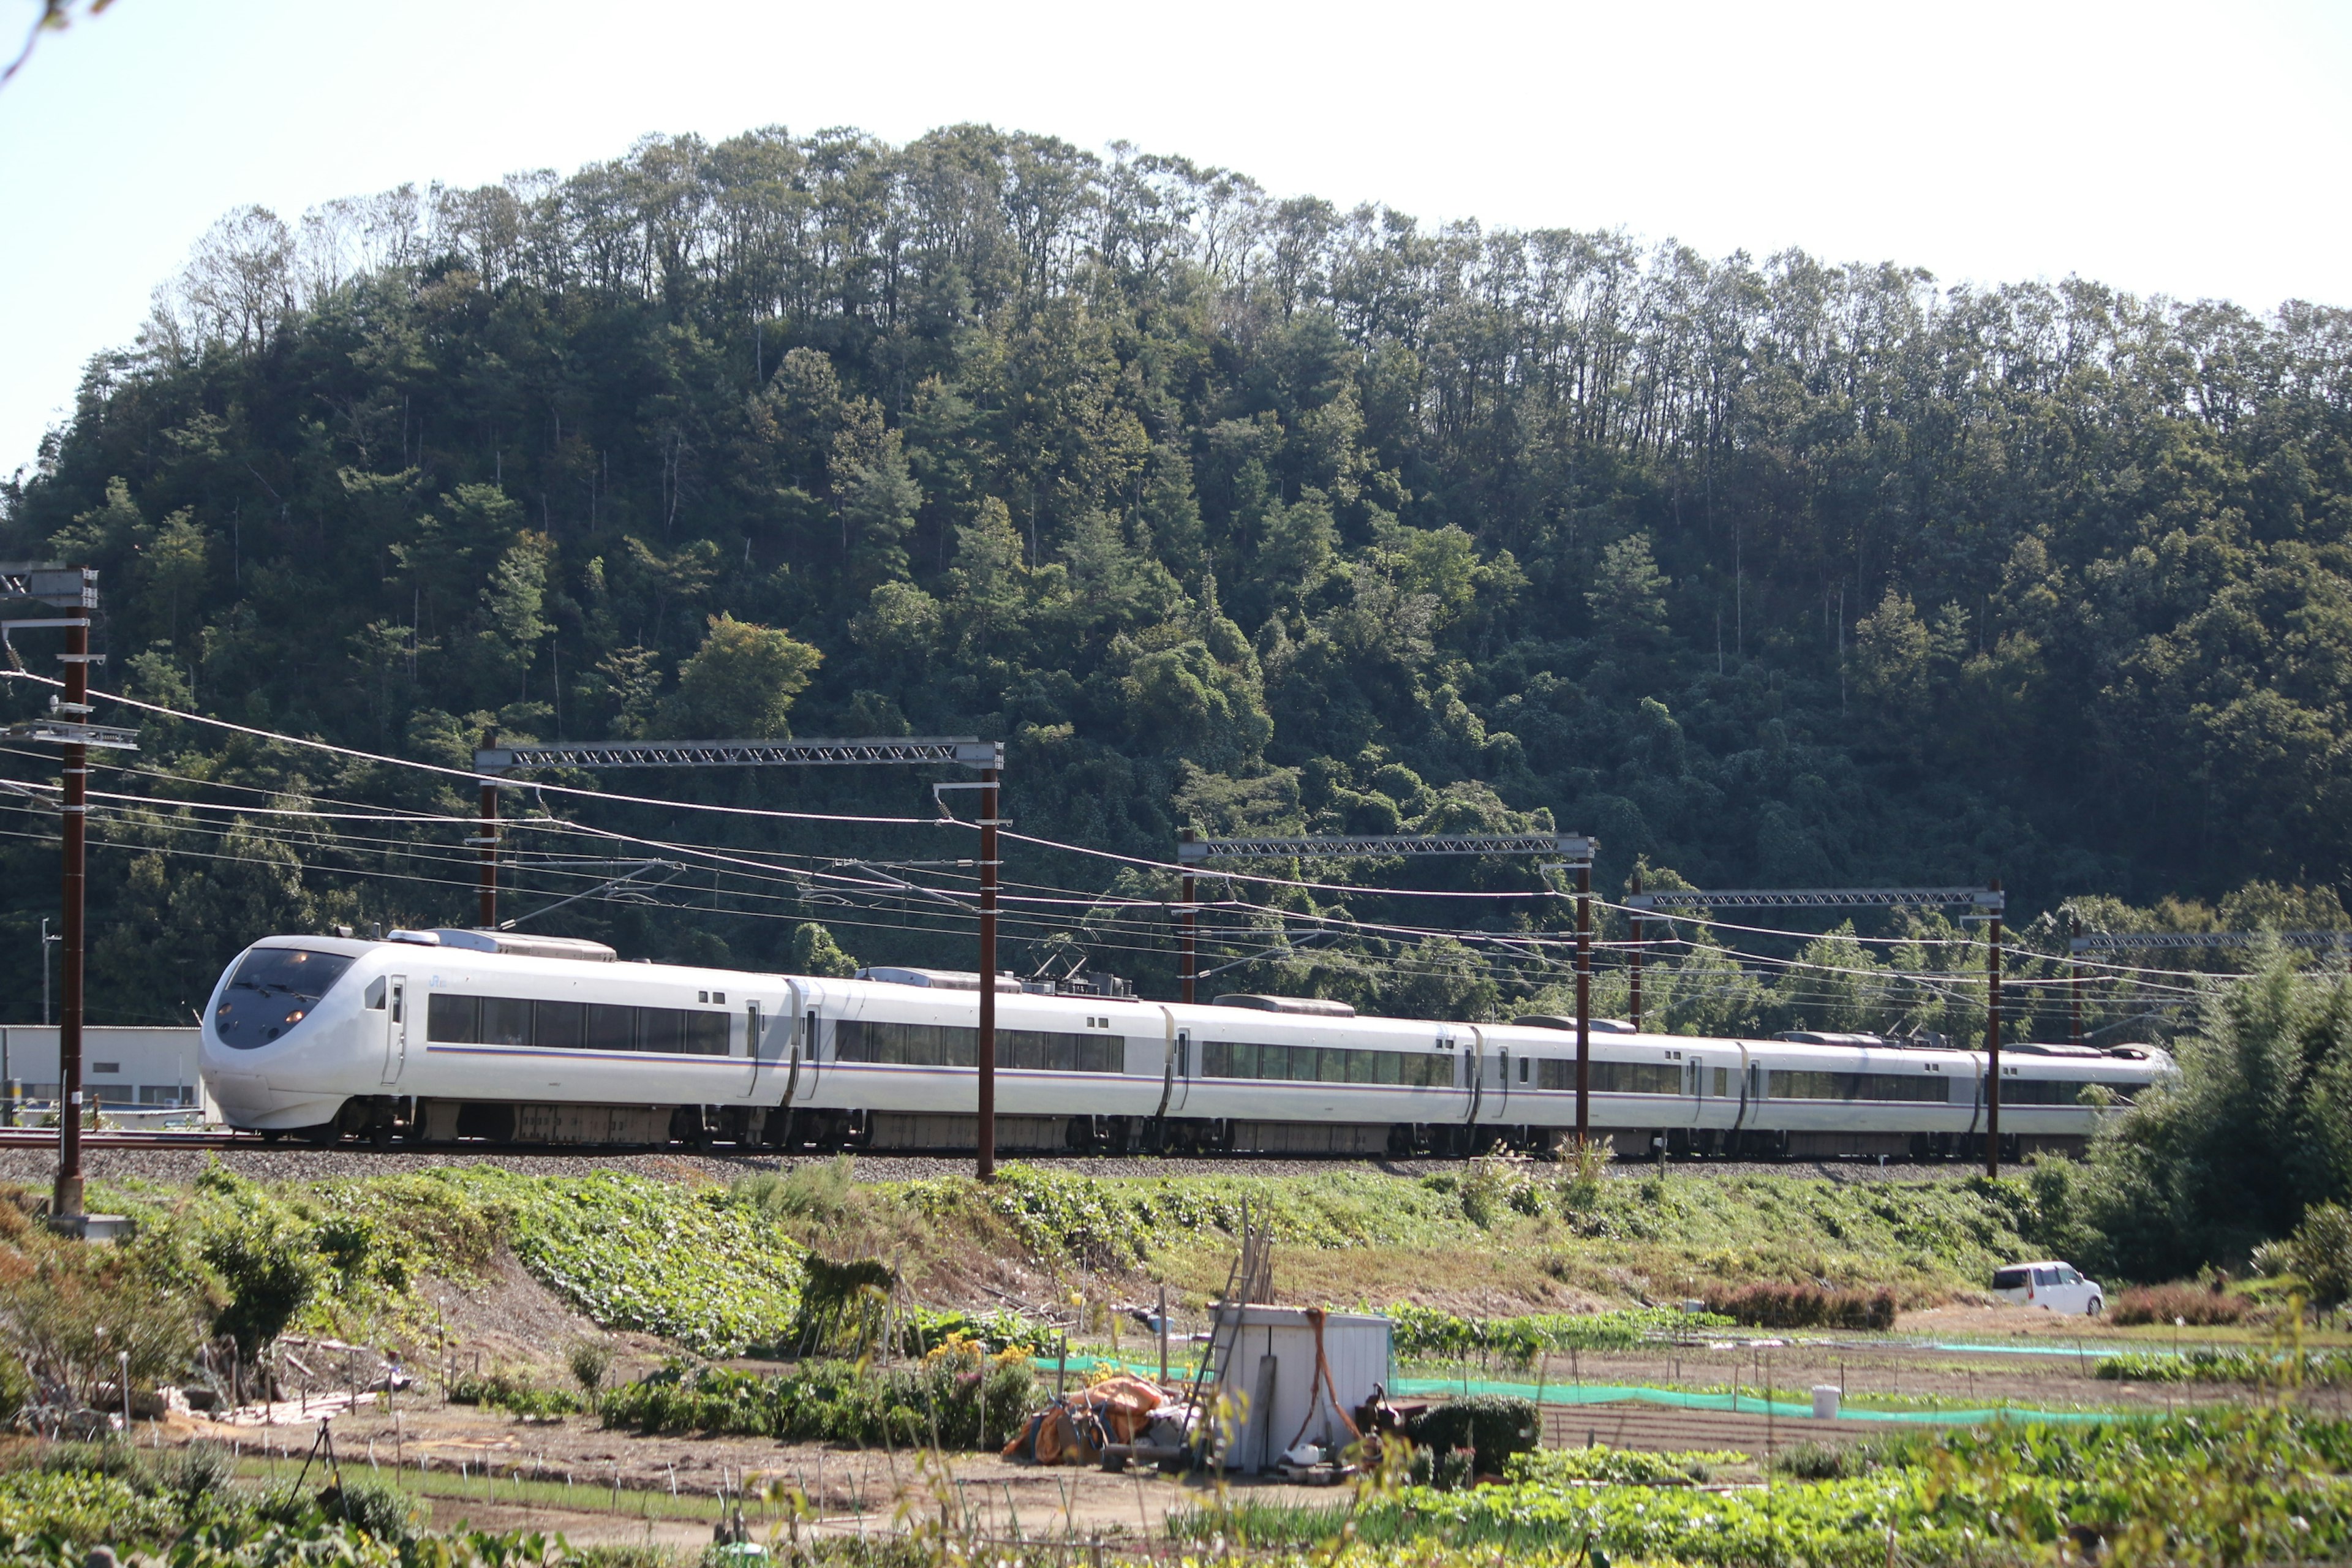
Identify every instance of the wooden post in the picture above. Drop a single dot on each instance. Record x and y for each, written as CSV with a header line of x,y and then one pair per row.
x,y
986,1130
1188,932
487,844
1634,978
1584,1002
1992,1044
65,1199
2074,982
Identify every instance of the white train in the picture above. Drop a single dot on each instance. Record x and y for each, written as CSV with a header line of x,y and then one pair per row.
x,y
448,1035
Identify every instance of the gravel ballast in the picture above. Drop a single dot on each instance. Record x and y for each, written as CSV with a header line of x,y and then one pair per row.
x,y
36,1167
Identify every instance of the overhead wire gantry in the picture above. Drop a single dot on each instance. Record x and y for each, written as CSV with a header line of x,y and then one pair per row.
x,y
1987,900
492,761
1574,852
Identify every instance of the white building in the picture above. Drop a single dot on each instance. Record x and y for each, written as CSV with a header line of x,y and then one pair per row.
x,y
120,1066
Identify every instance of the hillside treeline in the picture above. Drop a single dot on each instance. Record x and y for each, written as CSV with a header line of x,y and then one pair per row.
x,y
1222,510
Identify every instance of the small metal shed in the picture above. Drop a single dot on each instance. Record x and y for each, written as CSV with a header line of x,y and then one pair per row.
x,y
1278,1397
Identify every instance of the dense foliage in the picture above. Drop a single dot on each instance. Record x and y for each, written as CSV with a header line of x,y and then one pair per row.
x,y
2247,1487
956,1398
1803,1305
1222,511
2249,1143
695,1268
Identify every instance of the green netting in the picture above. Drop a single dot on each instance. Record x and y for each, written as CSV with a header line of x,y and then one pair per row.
x,y
1742,1404
1615,1393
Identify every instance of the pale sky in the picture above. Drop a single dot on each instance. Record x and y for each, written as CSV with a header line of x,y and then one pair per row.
x,y
2163,148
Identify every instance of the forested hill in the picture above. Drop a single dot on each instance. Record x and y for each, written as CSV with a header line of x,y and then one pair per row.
x,y
1224,510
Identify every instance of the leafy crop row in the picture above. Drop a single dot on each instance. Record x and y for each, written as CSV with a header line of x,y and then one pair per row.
x,y
951,1401
694,1267
1426,1334
2244,1488
2205,1364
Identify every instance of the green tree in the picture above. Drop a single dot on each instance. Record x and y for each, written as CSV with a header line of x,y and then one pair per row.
x,y
812,950
879,502
1628,596
740,684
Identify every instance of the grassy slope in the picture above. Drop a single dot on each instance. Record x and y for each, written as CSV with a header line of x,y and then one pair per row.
x,y
716,1271
1498,1235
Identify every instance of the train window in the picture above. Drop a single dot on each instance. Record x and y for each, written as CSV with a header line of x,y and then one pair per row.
x,y
273,990
707,1033
1272,1063
1722,1082
609,1028
453,1019
373,997
1852,1085
1523,1068
505,1022
558,1026
573,1025
940,1045
1612,1078
659,1029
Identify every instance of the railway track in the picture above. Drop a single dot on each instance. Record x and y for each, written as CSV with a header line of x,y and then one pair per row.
x,y
47,1138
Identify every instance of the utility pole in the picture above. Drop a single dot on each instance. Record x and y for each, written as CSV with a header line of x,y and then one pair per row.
x,y
66,1201
74,590
47,941
1992,1037
486,841
1633,980
1583,1002
2074,982
986,1130
1188,930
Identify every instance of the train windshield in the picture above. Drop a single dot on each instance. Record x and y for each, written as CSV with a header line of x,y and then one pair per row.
x,y
273,990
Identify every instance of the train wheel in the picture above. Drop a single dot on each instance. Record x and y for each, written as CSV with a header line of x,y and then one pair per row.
x,y
272,1135
379,1135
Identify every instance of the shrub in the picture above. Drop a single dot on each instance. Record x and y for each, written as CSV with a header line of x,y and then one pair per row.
x,y
2271,1259
2188,1303
1490,1426
589,1361
202,1469
1622,1466
2323,1253
1847,1461
817,1194
69,1318
269,1269
962,1401
502,1388
372,1508
1779,1306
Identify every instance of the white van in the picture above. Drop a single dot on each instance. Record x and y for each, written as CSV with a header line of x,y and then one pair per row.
x,y
2052,1286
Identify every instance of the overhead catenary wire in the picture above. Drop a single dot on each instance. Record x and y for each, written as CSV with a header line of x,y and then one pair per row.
x,y
1044,895
1934,980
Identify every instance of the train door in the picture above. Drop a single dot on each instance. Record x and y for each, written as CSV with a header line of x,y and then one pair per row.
x,y
1697,1090
1180,1073
395,1026
753,1043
